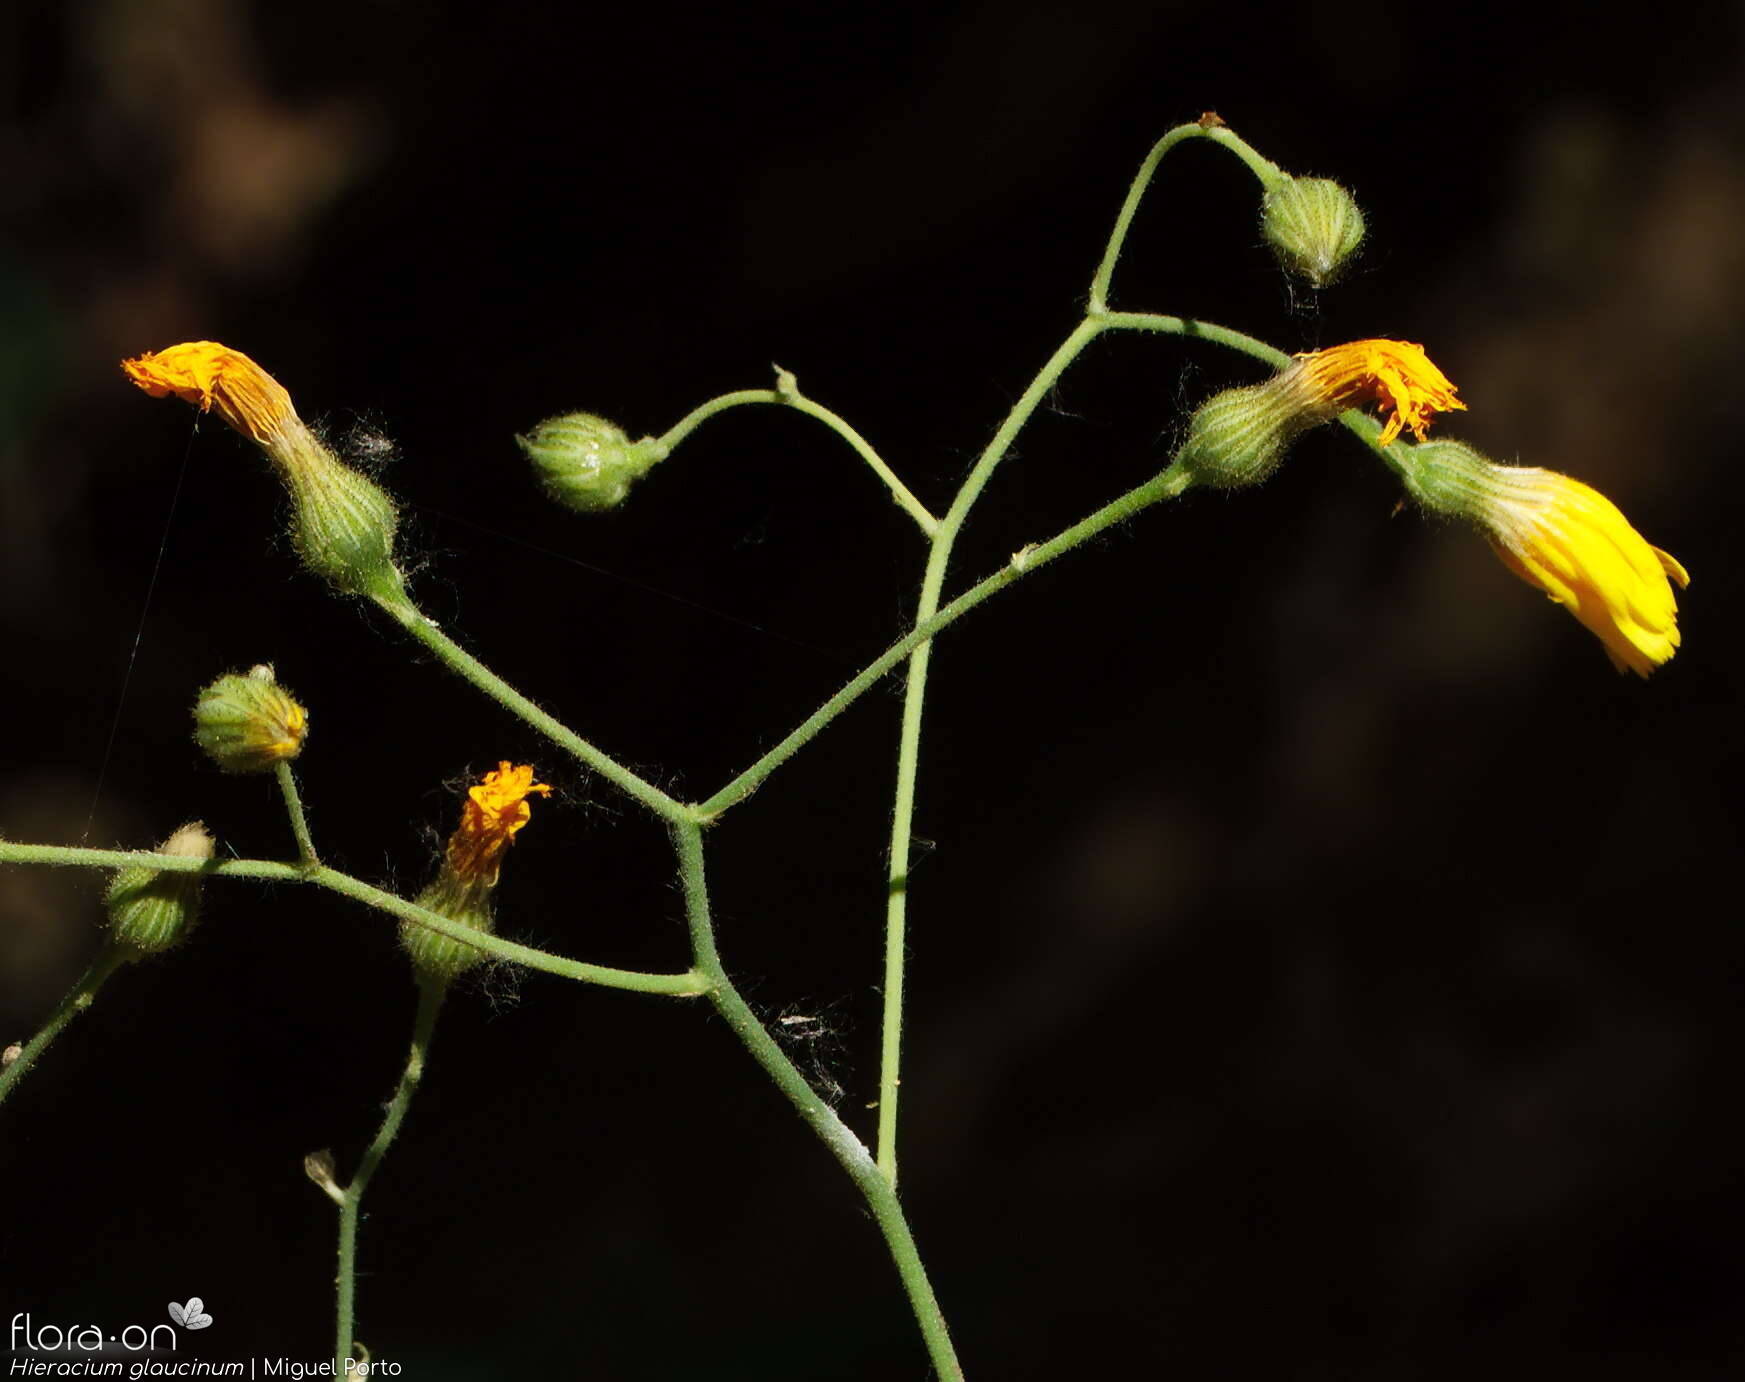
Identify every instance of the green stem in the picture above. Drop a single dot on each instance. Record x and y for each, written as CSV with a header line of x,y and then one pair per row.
x,y
686,985
468,667
849,1150
1165,485
789,395
1269,173
430,996
909,740
915,693
1368,431
79,997
1194,329
1359,423
299,824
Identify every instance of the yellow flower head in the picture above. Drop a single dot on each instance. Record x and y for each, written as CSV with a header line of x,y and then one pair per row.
x,y
209,376
1572,542
1396,375
494,811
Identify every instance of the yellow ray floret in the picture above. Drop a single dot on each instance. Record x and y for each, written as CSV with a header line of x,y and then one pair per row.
x,y
494,811
1396,375
1571,542
213,376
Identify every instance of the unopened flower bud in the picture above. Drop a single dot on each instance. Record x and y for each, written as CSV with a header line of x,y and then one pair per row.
x,y
1238,437
150,909
319,1167
586,462
343,526
249,724
1313,226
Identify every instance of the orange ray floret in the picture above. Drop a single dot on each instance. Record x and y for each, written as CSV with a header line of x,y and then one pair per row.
x,y
1396,375
494,811
213,376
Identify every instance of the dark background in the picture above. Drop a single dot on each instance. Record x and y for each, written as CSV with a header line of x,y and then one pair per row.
x,y
1324,965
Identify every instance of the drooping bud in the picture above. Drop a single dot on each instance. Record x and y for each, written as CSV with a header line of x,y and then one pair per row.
x,y
1313,226
342,523
1563,538
249,723
150,909
495,810
586,462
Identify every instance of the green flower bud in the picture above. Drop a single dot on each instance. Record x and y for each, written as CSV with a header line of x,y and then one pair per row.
x,y
151,910
442,959
1313,226
342,524
1239,437
586,462
249,724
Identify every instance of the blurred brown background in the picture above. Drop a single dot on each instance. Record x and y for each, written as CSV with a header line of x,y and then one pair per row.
x,y
1324,965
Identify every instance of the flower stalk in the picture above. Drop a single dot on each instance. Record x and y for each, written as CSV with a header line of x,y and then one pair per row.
x,y
78,998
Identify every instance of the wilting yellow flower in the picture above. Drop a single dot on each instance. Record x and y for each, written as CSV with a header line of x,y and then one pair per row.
x,y
209,376
1238,437
495,810
342,522
461,891
1396,375
1572,542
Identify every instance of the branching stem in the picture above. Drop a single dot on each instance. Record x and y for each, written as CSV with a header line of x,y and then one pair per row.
x,y
686,985
465,665
109,959
875,1177
849,1150
430,996
1269,173
789,395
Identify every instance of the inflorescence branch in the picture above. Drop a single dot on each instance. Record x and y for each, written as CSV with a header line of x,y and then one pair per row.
x,y
343,527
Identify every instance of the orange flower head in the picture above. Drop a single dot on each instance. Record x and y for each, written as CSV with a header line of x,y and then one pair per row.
x,y
209,376
1571,542
494,811
1396,375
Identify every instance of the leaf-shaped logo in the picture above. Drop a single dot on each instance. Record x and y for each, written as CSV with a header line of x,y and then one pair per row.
x,y
192,1315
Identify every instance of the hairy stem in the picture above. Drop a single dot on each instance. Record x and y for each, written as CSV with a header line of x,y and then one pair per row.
x,y
109,959
686,985
1027,561
849,1150
1268,172
789,395
1160,324
299,824
909,738
1031,559
468,667
430,996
